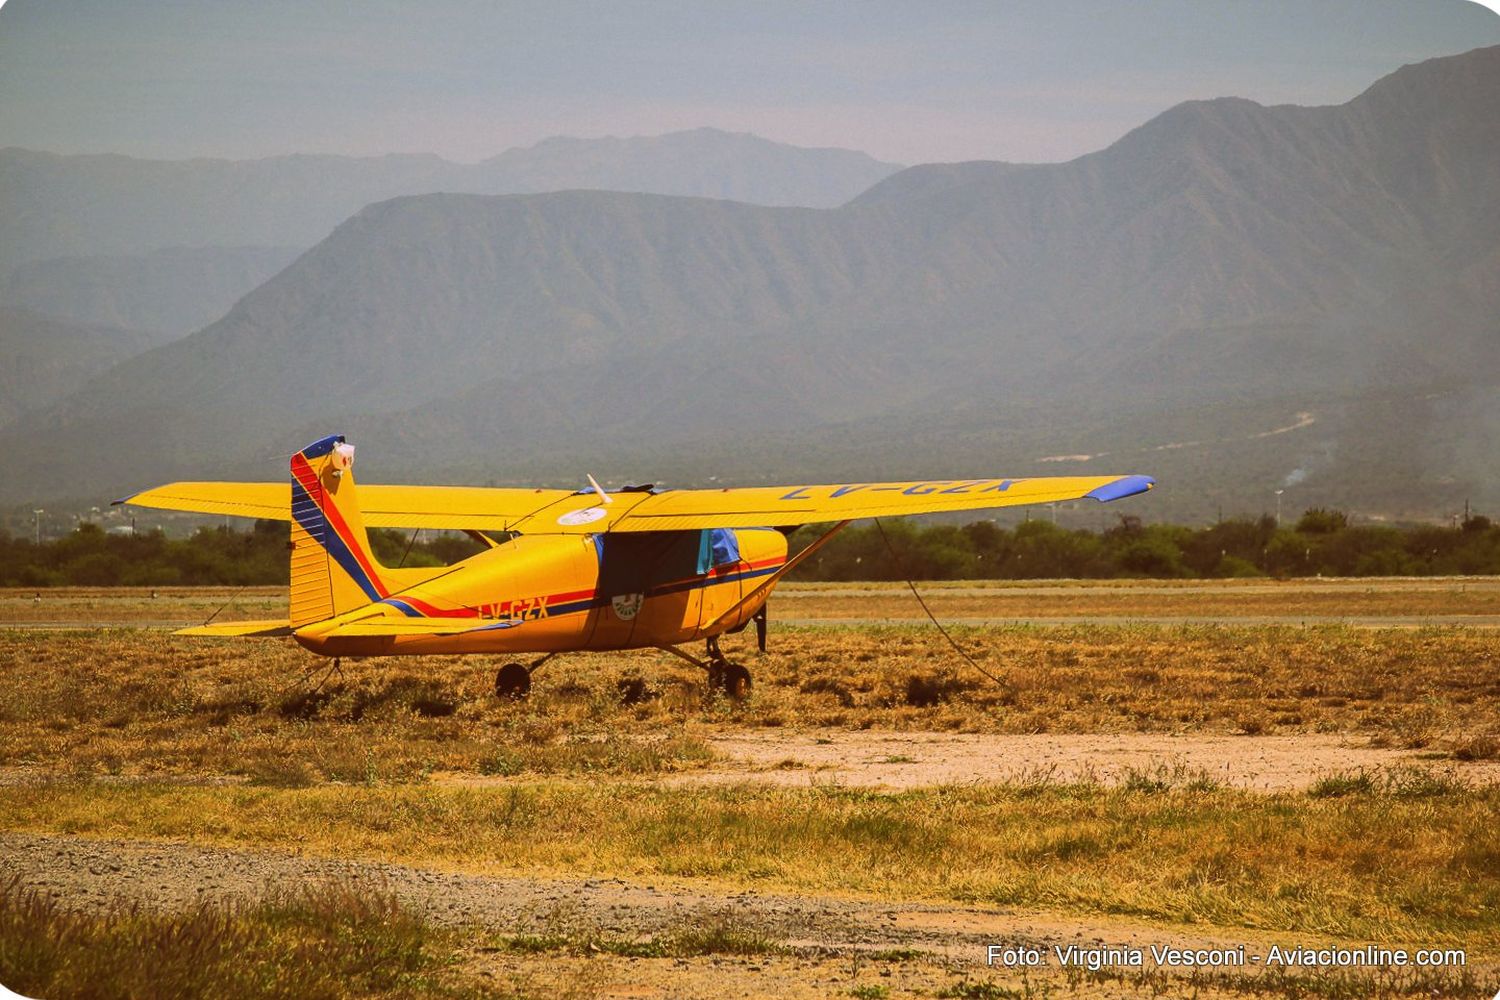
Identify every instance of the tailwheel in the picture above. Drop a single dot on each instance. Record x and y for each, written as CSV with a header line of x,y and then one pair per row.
x,y
513,681
735,680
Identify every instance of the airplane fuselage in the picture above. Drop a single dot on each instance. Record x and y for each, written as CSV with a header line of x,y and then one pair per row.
x,y
555,593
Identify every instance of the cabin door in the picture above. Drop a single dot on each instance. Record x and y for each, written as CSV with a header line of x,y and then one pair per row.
x,y
650,588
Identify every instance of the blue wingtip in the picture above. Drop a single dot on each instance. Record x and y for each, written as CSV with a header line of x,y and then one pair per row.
x,y
1125,486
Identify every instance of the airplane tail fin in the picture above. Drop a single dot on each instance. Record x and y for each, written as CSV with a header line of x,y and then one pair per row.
x,y
333,569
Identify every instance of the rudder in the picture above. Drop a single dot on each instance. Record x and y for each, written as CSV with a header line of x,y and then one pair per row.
x,y
332,568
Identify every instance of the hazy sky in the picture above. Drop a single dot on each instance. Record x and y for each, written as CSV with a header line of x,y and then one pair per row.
x,y
906,81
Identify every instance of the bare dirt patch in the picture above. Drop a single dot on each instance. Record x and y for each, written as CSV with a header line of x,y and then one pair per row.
x,y
139,606
899,760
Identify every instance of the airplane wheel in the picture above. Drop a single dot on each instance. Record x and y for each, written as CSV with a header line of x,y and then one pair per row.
x,y
513,681
715,675
736,681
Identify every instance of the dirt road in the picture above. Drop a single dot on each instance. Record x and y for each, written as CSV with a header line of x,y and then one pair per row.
x,y
830,942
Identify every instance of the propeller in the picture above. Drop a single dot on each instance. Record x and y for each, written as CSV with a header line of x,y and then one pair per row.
x,y
603,496
760,628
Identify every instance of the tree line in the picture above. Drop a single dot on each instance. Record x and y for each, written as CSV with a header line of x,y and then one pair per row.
x,y
1322,542
91,557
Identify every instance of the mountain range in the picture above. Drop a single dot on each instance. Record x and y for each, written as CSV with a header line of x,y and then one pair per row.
x,y
46,359
170,291
166,247
1234,297
109,206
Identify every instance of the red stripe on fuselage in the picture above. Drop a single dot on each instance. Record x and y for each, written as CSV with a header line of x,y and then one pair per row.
x,y
432,611
567,597
728,570
743,567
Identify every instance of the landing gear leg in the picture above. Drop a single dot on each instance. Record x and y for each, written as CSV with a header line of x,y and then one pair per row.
x,y
716,663
730,678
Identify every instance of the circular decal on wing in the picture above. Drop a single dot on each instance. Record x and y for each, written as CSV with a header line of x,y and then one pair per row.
x,y
586,516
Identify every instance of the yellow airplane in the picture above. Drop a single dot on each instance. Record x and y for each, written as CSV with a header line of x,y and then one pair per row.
x,y
588,570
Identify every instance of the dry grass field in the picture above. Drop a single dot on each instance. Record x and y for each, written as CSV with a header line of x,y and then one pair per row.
x,y
862,826
1317,599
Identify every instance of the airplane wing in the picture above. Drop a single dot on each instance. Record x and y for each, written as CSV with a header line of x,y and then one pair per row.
x,y
540,511
785,506
462,508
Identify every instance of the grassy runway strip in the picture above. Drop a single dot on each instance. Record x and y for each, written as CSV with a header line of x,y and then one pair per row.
x,y
1229,599
1403,858
137,703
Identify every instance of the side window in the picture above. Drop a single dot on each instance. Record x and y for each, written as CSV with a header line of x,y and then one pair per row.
x,y
724,545
635,562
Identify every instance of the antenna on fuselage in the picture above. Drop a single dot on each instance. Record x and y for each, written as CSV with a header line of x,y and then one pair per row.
x,y
603,496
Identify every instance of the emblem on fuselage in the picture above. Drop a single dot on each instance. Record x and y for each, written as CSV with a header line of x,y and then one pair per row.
x,y
627,606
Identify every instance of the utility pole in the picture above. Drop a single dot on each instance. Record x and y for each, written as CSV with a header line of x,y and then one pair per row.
x,y
1278,507
36,518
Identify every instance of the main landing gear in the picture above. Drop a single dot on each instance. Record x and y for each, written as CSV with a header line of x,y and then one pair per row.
x,y
513,681
730,678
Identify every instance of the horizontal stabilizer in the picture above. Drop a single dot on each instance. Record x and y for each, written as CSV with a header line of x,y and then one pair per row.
x,y
253,629
396,628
